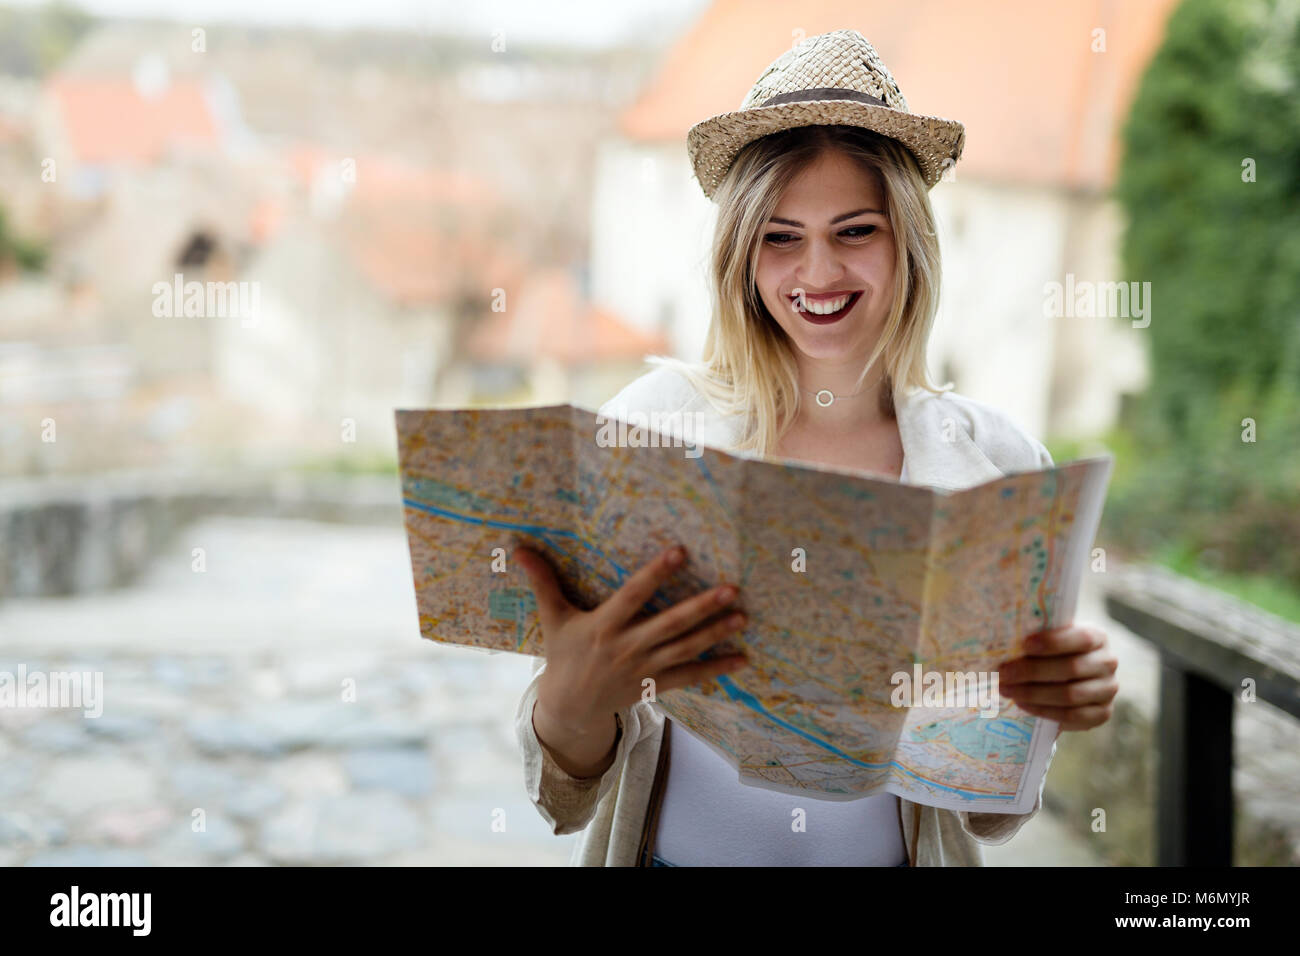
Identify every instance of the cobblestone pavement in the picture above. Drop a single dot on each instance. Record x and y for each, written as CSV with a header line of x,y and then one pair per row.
x,y
224,693
224,704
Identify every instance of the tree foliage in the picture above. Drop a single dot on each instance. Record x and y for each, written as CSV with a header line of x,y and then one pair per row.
x,y
1210,187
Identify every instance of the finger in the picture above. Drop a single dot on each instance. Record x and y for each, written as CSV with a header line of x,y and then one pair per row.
x,y
698,672
682,617
1074,694
636,591
1073,718
690,646
1064,640
1030,670
552,605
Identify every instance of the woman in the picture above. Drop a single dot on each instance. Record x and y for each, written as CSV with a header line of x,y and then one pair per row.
x,y
825,271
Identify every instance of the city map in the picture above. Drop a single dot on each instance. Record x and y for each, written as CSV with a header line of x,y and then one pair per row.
x,y
847,582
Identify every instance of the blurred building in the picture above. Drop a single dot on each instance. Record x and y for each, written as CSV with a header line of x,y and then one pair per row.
x,y
127,177
377,220
367,283
554,346
1042,95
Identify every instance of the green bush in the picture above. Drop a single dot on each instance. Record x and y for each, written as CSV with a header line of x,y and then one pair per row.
x,y
1216,109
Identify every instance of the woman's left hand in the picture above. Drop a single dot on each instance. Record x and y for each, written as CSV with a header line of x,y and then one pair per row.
x,y
1066,675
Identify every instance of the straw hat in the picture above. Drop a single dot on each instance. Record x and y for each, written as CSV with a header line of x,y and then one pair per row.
x,y
831,79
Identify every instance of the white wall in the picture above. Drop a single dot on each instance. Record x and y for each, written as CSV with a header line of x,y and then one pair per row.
x,y
1098,359
327,347
1002,245
651,227
999,245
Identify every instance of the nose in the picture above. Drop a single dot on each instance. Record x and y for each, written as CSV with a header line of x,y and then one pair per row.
x,y
820,266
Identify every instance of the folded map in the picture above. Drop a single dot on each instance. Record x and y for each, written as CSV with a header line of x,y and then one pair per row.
x,y
877,611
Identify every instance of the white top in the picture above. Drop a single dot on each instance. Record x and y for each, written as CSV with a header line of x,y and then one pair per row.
x,y
709,818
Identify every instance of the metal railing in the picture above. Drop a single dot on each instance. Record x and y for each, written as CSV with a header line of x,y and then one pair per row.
x,y
1213,648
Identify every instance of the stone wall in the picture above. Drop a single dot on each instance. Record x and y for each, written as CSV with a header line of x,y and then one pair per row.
x,y
71,536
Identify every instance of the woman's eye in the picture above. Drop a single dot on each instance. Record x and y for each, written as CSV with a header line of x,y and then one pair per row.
x,y
784,238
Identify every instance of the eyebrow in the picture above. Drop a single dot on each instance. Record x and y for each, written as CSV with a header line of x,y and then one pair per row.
x,y
839,218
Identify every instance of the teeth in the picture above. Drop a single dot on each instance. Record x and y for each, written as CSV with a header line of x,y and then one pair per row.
x,y
824,308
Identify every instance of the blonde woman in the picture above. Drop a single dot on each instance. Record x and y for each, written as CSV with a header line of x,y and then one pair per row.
x,y
825,273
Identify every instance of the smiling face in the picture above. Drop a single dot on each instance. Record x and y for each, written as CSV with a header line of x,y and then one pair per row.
x,y
828,246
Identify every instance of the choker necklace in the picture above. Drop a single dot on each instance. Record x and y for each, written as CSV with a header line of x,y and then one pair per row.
x,y
830,396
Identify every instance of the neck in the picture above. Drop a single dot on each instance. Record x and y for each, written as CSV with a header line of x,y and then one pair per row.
x,y
848,410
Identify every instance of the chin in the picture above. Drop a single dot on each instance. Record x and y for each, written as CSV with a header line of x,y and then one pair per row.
x,y
831,342
830,355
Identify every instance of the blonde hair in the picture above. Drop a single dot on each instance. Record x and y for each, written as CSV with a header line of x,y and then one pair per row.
x,y
748,365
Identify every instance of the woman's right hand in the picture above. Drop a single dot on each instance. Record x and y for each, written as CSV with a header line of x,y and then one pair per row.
x,y
596,660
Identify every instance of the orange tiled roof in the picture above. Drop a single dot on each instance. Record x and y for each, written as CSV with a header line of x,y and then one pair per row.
x,y
108,121
401,260
1038,105
550,319
10,130
392,230
265,219
415,263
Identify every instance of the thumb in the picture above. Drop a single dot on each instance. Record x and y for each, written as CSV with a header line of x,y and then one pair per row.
x,y
551,602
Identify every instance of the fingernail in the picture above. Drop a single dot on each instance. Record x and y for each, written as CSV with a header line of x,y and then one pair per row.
x,y
675,555
726,594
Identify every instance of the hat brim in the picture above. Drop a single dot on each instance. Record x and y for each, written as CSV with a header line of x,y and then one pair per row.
x,y
713,144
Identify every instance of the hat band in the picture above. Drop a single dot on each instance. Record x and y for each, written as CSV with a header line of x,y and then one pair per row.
x,y
823,93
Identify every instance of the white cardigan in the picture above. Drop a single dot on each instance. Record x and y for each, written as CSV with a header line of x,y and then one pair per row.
x,y
949,441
